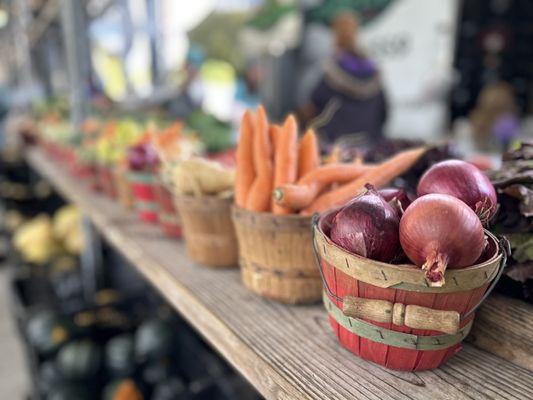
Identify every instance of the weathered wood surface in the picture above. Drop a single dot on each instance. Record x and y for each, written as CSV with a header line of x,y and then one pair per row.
x,y
505,327
285,352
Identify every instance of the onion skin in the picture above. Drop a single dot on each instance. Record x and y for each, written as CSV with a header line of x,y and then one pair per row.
x,y
462,180
439,231
368,226
399,197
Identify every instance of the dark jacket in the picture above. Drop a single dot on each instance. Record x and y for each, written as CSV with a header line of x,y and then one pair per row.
x,y
349,99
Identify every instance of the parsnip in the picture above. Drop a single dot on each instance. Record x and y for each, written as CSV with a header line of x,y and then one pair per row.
x,y
198,176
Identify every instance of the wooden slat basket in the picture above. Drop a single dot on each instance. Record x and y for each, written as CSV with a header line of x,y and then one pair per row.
x,y
105,177
389,315
276,256
123,187
208,230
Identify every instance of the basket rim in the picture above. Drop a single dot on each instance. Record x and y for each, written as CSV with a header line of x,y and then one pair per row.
x,y
262,214
206,200
405,276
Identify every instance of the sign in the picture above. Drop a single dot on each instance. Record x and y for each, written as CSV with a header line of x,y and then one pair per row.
x,y
412,41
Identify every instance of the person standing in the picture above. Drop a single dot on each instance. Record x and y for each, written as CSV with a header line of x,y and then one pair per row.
x,y
349,99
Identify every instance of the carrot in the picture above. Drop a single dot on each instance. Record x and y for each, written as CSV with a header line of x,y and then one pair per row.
x,y
308,153
303,193
260,192
274,131
286,159
245,172
378,176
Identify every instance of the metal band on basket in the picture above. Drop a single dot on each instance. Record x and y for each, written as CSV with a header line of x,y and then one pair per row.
x,y
389,337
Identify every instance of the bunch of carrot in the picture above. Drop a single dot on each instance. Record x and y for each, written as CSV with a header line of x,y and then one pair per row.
x,y
278,173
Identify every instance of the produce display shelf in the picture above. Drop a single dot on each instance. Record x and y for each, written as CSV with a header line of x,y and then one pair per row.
x,y
285,352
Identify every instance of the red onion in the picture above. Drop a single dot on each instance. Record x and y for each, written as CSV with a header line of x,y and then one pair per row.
x,y
464,181
368,226
439,231
396,196
141,157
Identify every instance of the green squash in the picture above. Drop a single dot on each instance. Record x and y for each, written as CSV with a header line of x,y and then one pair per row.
x,y
80,359
120,355
47,331
154,339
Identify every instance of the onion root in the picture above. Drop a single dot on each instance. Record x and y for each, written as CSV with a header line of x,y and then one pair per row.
x,y
434,267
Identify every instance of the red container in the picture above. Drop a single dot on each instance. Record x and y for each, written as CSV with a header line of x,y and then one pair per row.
x,y
168,215
69,157
106,181
93,178
145,201
347,274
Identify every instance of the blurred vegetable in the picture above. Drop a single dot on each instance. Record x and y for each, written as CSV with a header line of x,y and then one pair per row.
x,y
142,157
35,240
514,187
215,135
198,176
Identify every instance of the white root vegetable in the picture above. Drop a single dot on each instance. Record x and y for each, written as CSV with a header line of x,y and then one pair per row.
x,y
198,176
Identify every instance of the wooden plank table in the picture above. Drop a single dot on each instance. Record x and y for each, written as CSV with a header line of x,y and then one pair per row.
x,y
285,352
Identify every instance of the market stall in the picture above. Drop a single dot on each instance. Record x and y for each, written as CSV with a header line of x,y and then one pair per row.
x,y
266,199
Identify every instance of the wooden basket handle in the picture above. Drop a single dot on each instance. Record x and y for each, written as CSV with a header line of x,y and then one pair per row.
x,y
412,316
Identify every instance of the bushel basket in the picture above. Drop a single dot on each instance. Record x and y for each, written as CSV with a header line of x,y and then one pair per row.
x,y
106,180
208,230
123,187
389,315
276,256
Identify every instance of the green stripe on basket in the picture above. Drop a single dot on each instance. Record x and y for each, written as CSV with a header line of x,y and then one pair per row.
x,y
145,205
142,177
392,338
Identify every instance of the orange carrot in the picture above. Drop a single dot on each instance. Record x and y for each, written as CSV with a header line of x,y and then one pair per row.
x,y
286,159
378,176
260,192
274,131
245,173
308,153
311,184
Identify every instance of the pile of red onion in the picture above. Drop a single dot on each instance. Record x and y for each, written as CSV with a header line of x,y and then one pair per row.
x,y
441,229
142,157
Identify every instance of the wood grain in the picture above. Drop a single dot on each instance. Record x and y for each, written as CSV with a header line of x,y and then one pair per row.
x,y
505,327
285,352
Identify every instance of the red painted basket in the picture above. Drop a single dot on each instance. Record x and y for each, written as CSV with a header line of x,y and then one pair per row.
x,y
143,187
389,315
106,180
92,178
168,214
